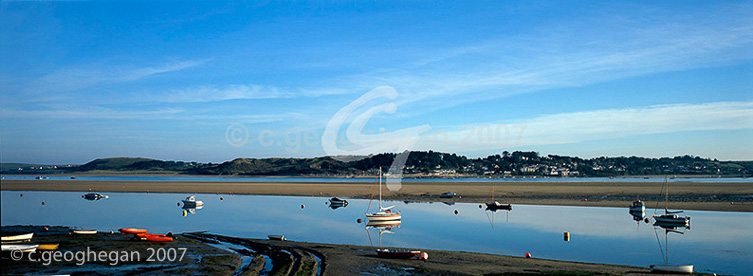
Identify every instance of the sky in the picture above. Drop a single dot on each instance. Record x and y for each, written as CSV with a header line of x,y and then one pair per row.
x,y
210,81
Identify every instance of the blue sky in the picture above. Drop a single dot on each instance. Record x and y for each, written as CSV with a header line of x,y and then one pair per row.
x,y
210,81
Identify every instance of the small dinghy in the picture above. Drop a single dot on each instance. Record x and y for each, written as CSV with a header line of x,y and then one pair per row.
x,y
48,247
26,248
17,238
397,254
277,237
338,201
85,232
132,231
94,196
191,202
672,268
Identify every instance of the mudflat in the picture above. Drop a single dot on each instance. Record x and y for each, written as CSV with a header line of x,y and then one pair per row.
x,y
731,196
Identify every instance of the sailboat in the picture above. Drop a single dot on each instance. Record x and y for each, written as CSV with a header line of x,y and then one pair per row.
x,y
666,267
671,217
384,213
493,205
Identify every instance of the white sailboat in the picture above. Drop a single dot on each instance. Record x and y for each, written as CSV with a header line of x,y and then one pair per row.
x,y
384,213
666,267
671,217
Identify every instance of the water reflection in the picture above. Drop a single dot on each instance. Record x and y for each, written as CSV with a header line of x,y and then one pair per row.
x,y
336,202
191,210
719,241
491,212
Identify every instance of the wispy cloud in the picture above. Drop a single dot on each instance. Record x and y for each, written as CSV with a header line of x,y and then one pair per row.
x,y
84,76
209,93
87,112
592,125
537,61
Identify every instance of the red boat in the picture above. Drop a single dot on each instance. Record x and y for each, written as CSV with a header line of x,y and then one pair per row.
x,y
159,238
132,231
397,254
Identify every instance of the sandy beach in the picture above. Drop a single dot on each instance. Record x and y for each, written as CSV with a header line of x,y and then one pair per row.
x,y
733,197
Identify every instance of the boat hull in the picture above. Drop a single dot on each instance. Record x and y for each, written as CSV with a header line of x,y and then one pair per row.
x,y
17,238
398,254
25,248
48,247
492,206
672,220
132,231
672,268
85,232
384,217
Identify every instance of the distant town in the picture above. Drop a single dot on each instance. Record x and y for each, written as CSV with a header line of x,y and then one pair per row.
x,y
419,164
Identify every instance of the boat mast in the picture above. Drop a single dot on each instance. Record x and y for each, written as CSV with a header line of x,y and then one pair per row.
x,y
666,196
380,195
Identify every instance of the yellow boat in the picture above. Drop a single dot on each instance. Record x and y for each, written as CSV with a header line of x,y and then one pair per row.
x,y
47,247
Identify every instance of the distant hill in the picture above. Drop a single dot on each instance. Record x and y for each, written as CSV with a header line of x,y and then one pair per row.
x,y
115,164
419,163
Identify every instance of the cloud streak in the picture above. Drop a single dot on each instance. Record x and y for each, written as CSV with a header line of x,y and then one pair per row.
x,y
593,125
79,77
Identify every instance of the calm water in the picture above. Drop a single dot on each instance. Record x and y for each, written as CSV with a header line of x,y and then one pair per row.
x,y
720,242
338,179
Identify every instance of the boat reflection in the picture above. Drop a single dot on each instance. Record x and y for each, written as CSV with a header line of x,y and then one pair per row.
x,y
384,224
490,212
336,203
667,267
190,210
94,196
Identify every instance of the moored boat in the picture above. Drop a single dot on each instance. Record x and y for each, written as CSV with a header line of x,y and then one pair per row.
x,y
85,232
158,238
638,206
384,213
397,254
277,237
671,217
47,247
25,248
94,196
17,238
497,206
132,231
192,202
494,205
672,268
448,195
338,201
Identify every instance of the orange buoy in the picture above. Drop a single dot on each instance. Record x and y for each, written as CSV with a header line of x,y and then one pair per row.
x,y
731,203
585,199
456,211
646,220
45,228
22,195
528,255
480,206
424,256
147,191
303,206
358,220
567,236
222,198
43,203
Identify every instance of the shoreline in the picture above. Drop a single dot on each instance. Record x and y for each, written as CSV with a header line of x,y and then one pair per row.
x,y
206,256
732,197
